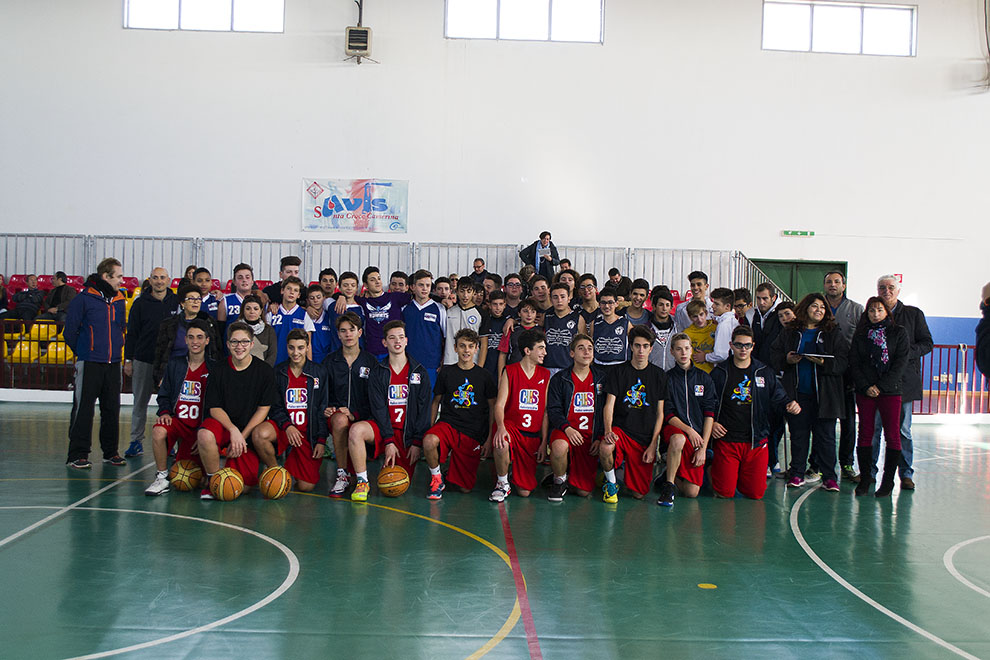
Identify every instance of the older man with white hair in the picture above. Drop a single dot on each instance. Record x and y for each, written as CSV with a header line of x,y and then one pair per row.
x,y
913,320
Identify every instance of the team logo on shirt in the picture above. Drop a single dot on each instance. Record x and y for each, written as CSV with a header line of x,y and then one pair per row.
x,y
584,402
570,325
191,390
430,317
743,391
699,390
398,395
760,382
529,399
363,372
558,337
636,395
463,395
619,330
472,319
379,314
296,398
414,379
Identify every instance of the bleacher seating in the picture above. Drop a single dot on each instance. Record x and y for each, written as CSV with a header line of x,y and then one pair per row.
x,y
16,283
77,282
262,283
130,284
58,353
45,282
25,352
42,331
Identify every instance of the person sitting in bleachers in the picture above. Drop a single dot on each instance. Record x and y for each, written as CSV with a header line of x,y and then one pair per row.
x,y
28,302
58,299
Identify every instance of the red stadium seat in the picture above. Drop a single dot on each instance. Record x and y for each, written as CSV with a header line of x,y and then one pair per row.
x,y
17,283
314,283
262,283
130,284
45,282
176,281
230,287
216,285
76,282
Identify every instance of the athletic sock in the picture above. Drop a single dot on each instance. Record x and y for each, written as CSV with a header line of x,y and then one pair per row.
x,y
161,473
503,480
435,471
610,476
362,476
561,479
341,472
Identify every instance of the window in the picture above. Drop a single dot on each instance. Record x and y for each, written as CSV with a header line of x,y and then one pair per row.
x,y
526,20
216,15
840,27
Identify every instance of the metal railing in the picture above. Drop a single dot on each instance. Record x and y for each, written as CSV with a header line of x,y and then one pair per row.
x,y
951,383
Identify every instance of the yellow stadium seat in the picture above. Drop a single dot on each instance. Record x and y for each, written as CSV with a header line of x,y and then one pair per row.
x,y
43,331
12,336
58,353
25,352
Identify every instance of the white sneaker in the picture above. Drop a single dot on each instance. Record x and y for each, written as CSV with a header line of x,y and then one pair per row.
x,y
812,477
500,493
159,486
340,486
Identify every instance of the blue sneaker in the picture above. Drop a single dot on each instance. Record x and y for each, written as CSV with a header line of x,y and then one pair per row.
x,y
135,449
610,492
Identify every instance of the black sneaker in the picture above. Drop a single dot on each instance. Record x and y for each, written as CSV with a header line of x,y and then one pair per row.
x,y
667,492
557,491
80,464
115,460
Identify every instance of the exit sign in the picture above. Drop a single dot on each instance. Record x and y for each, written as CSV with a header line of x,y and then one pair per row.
x,y
797,233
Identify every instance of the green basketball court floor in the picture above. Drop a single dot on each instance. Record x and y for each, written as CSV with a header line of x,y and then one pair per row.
x,y
93,568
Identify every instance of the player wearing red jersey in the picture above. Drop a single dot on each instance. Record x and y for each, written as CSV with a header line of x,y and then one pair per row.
x,y
180,405
520,432
296,418
399,393
575,400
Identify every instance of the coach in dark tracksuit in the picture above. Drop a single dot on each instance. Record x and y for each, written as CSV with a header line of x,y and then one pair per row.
x,y
94,329
420,397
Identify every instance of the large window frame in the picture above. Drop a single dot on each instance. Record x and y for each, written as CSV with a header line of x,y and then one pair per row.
x,y
549,39
863,8
178,23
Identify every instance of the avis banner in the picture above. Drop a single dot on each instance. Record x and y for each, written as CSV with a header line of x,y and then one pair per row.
x,y
370,205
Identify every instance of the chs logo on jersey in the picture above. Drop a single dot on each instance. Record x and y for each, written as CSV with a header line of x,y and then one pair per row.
x,y
296,398
398,395
699,390
192,390
529,399
584,402
414,379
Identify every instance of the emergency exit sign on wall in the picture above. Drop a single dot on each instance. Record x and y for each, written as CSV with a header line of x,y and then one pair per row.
x,y
797,233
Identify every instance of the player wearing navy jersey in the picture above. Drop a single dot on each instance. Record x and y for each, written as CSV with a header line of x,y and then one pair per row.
x,y
513,287
493,331
379,307
636,313
426,325
588,295
399,393
323,330
348,284
508,348
230,305
288,316
610,332
211,295
561,325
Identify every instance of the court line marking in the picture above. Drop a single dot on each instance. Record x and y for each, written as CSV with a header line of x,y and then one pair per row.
x,y
522,595
516,612
281,589
66,509
947,560
799,537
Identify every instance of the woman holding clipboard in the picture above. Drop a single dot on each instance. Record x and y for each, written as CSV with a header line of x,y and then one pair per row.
x,y
812,354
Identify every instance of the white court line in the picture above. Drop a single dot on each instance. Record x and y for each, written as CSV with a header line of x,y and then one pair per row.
x,y
282,588
795,528
64,510
947,560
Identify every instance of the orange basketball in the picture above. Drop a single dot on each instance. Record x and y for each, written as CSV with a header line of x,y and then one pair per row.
x,y
226,484
275,483
185,475
393,481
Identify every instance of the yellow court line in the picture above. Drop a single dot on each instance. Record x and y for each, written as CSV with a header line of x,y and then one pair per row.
x,y
516,612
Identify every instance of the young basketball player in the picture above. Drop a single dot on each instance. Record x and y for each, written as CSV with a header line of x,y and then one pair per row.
x,y
575,400
465,398
463,315
230,305
180,405
400,394
689,412
324,332
289,316
610,332
508,349
426,325
211,296
296,421
561,325
349,370
241,393
633,418
520,434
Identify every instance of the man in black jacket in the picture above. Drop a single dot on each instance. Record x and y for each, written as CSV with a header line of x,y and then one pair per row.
x,y
400,395
766,326
57,301
146,315
296,419
920,340
28,301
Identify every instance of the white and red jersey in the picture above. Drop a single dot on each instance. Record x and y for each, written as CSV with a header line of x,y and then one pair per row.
x,y
398,396
297,402
581,412
527,401
189,405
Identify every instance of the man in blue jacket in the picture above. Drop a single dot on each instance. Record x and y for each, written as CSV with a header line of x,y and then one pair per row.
x,y
94,329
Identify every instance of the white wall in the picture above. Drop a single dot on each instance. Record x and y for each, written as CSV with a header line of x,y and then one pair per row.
x,y
678,132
